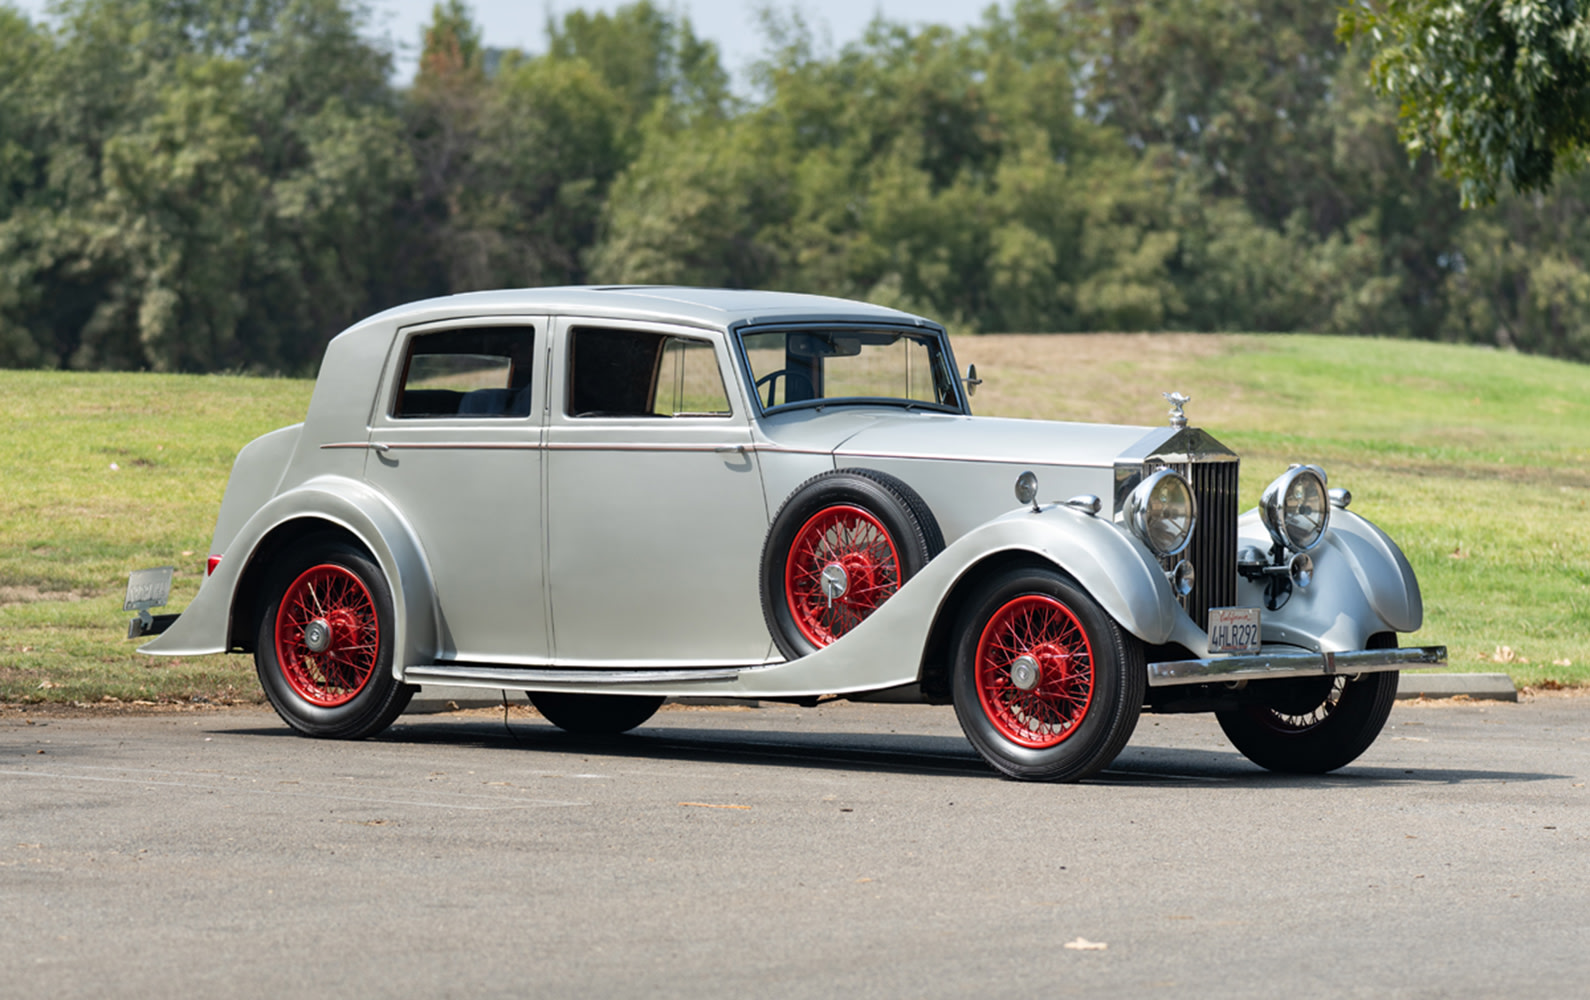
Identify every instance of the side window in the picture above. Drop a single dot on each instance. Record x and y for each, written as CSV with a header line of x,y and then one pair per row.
x,y
688,381
477,372
637,373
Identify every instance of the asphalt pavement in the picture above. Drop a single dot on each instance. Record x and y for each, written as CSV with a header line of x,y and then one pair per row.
x,y
787,852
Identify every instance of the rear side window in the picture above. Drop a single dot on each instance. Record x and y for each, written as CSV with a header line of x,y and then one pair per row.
x,y
483,372
638,373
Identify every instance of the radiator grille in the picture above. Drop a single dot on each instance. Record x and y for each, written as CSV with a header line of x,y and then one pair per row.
x,y
1213,552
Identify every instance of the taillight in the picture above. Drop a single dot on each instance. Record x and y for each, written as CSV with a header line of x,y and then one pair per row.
x,y
211,563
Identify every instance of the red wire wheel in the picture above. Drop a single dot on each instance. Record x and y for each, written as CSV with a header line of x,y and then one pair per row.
x,y
328,635
849,549
838,548
1034,671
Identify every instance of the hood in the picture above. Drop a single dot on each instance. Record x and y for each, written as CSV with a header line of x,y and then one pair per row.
x,y
992,439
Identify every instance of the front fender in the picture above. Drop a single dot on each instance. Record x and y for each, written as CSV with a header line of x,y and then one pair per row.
x,y
1116,569
356,508
886,649
1363,586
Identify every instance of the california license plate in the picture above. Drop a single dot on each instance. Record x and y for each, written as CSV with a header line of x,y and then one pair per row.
x,y
1233,630
147,588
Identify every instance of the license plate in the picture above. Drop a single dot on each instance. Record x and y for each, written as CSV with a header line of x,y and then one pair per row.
x,y
148,588
1233,630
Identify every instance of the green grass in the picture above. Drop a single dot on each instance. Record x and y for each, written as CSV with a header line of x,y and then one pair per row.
x,y
1477,462
103,474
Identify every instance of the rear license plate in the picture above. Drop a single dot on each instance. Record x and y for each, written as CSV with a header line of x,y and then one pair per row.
x,y
147,588
1233,630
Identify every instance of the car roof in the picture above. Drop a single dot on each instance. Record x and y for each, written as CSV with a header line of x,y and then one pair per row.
x,y
718,308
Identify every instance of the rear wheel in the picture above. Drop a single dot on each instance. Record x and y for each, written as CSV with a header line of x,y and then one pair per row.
x,y
594,714
1047,687
323,651
1312,725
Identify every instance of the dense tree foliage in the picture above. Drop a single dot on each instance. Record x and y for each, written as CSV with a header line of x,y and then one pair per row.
x,y
1498,90
224,184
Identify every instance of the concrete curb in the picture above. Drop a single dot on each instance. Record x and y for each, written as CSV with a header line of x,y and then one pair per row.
x,y
1480,687
434,698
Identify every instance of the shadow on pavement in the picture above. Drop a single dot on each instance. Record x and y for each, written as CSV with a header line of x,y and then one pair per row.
x,y
887,752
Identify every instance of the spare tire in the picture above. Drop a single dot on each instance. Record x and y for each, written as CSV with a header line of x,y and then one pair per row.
x,y
839,547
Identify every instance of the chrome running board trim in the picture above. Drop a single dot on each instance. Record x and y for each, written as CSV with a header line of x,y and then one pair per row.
x,y
1274,666
481,675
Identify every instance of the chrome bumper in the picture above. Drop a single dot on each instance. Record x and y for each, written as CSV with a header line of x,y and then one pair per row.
x,y
1273,666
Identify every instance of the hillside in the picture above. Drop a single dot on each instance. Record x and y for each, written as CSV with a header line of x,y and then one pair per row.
x,y
1474,460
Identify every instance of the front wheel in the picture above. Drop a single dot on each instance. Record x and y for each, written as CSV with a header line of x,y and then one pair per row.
x,y
323,651
1312,725
1047,687
594,714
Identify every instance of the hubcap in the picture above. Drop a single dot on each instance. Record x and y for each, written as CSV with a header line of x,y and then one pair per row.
x,y
317,635
1024,673
835,581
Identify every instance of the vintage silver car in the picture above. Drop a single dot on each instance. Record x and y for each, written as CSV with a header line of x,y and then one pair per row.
x,y
606,497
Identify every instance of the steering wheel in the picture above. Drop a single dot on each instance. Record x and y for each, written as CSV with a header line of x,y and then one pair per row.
x,y
771,381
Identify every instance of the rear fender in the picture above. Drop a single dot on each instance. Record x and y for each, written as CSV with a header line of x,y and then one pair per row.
x,y
226,599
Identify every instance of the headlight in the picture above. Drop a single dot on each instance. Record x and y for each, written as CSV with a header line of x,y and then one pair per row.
x,y
1162,513
1296,508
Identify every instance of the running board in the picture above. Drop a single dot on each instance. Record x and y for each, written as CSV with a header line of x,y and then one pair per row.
x,y
497,677
1271,666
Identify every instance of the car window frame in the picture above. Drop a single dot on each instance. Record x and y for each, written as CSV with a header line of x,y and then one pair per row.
x,y
396,372
715,338
739,331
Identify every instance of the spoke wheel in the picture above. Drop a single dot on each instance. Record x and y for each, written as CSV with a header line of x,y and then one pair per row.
x,y
1046,685
323,650
837,550
844,549
1035,671
327,635
1312,728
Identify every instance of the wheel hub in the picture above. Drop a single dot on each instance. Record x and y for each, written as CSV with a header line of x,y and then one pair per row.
x,y
834,581
317,635
1024,673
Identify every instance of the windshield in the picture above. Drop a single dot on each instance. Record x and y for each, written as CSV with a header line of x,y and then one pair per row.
x,y
811,367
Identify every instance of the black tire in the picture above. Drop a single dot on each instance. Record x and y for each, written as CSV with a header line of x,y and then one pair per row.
x,y
1312,725
888,533
594,714
1069,711
345,688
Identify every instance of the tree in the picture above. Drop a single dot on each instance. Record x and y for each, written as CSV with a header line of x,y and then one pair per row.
x,y
207,185
1497,90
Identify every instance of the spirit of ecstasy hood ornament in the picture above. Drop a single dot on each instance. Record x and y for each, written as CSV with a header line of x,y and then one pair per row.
x,y
1178,419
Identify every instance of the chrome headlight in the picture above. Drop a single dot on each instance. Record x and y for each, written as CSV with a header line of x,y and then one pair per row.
x,y
1161,512
1296,508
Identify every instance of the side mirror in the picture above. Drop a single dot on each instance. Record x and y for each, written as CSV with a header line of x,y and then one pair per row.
x,y
971,380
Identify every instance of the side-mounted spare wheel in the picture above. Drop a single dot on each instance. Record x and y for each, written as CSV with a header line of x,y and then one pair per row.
x,y
324,646
840,546
1047,687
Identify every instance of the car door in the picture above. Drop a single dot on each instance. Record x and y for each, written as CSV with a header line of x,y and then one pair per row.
x,y
655,509
456,446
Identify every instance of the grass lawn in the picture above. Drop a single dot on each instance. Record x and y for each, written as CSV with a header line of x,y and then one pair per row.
x,y
1475,461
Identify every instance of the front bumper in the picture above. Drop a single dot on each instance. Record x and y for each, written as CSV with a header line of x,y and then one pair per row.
x,y
1293,663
